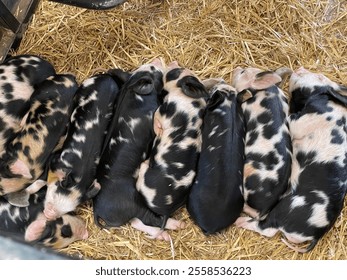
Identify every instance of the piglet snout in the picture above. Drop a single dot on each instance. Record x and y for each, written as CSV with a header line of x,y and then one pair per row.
x,y
49,211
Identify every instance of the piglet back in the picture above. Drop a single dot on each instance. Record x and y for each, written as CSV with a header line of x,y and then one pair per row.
x,y
215,200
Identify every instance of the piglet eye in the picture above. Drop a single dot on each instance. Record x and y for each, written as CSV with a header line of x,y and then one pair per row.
x,y
67,182
64,184
243,71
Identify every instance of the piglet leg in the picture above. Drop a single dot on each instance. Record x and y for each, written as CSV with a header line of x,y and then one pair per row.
x,y
252,224
174,224
154,232
251,211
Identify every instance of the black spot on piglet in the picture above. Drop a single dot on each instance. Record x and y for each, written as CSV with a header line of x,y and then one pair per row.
x,y
66,231
173,74
336,137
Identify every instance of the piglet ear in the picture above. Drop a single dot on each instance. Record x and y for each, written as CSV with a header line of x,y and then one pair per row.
x,y
192,87
244,95
217,98
18,199
119,76
157,127
284,73
339,94
265,80
56,175
20,168
143,86
210,83
61,173
34,230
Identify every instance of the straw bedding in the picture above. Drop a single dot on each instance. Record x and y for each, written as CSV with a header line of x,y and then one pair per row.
x,y
210,37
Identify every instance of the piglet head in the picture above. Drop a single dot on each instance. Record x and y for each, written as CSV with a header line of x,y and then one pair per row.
x,y
58,233
303,83
156,63
145,80
305,78
254,78
183,79
60,200
64,194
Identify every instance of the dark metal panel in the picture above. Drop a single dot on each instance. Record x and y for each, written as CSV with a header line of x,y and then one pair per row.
x,y
7,19
15,249
92,4
10,32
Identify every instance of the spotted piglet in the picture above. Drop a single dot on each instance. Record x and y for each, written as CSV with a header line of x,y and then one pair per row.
x,y
27,154
71,178
215,200
267,144
319,176
166,177
130,139
29,223
18,77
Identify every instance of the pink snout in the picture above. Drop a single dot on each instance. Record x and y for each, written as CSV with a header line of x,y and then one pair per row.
x,y
50,213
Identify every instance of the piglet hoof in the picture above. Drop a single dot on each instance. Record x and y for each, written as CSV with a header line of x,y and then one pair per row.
x,y
152,232
175,224
242,221
162,235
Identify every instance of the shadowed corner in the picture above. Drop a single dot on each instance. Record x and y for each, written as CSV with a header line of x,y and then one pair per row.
x,y
92,4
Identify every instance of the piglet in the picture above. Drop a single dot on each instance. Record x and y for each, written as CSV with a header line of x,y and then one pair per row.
x,y
318,179
127,145
18,77
71,178
166,177
27,154
29,223
267,144
215,200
